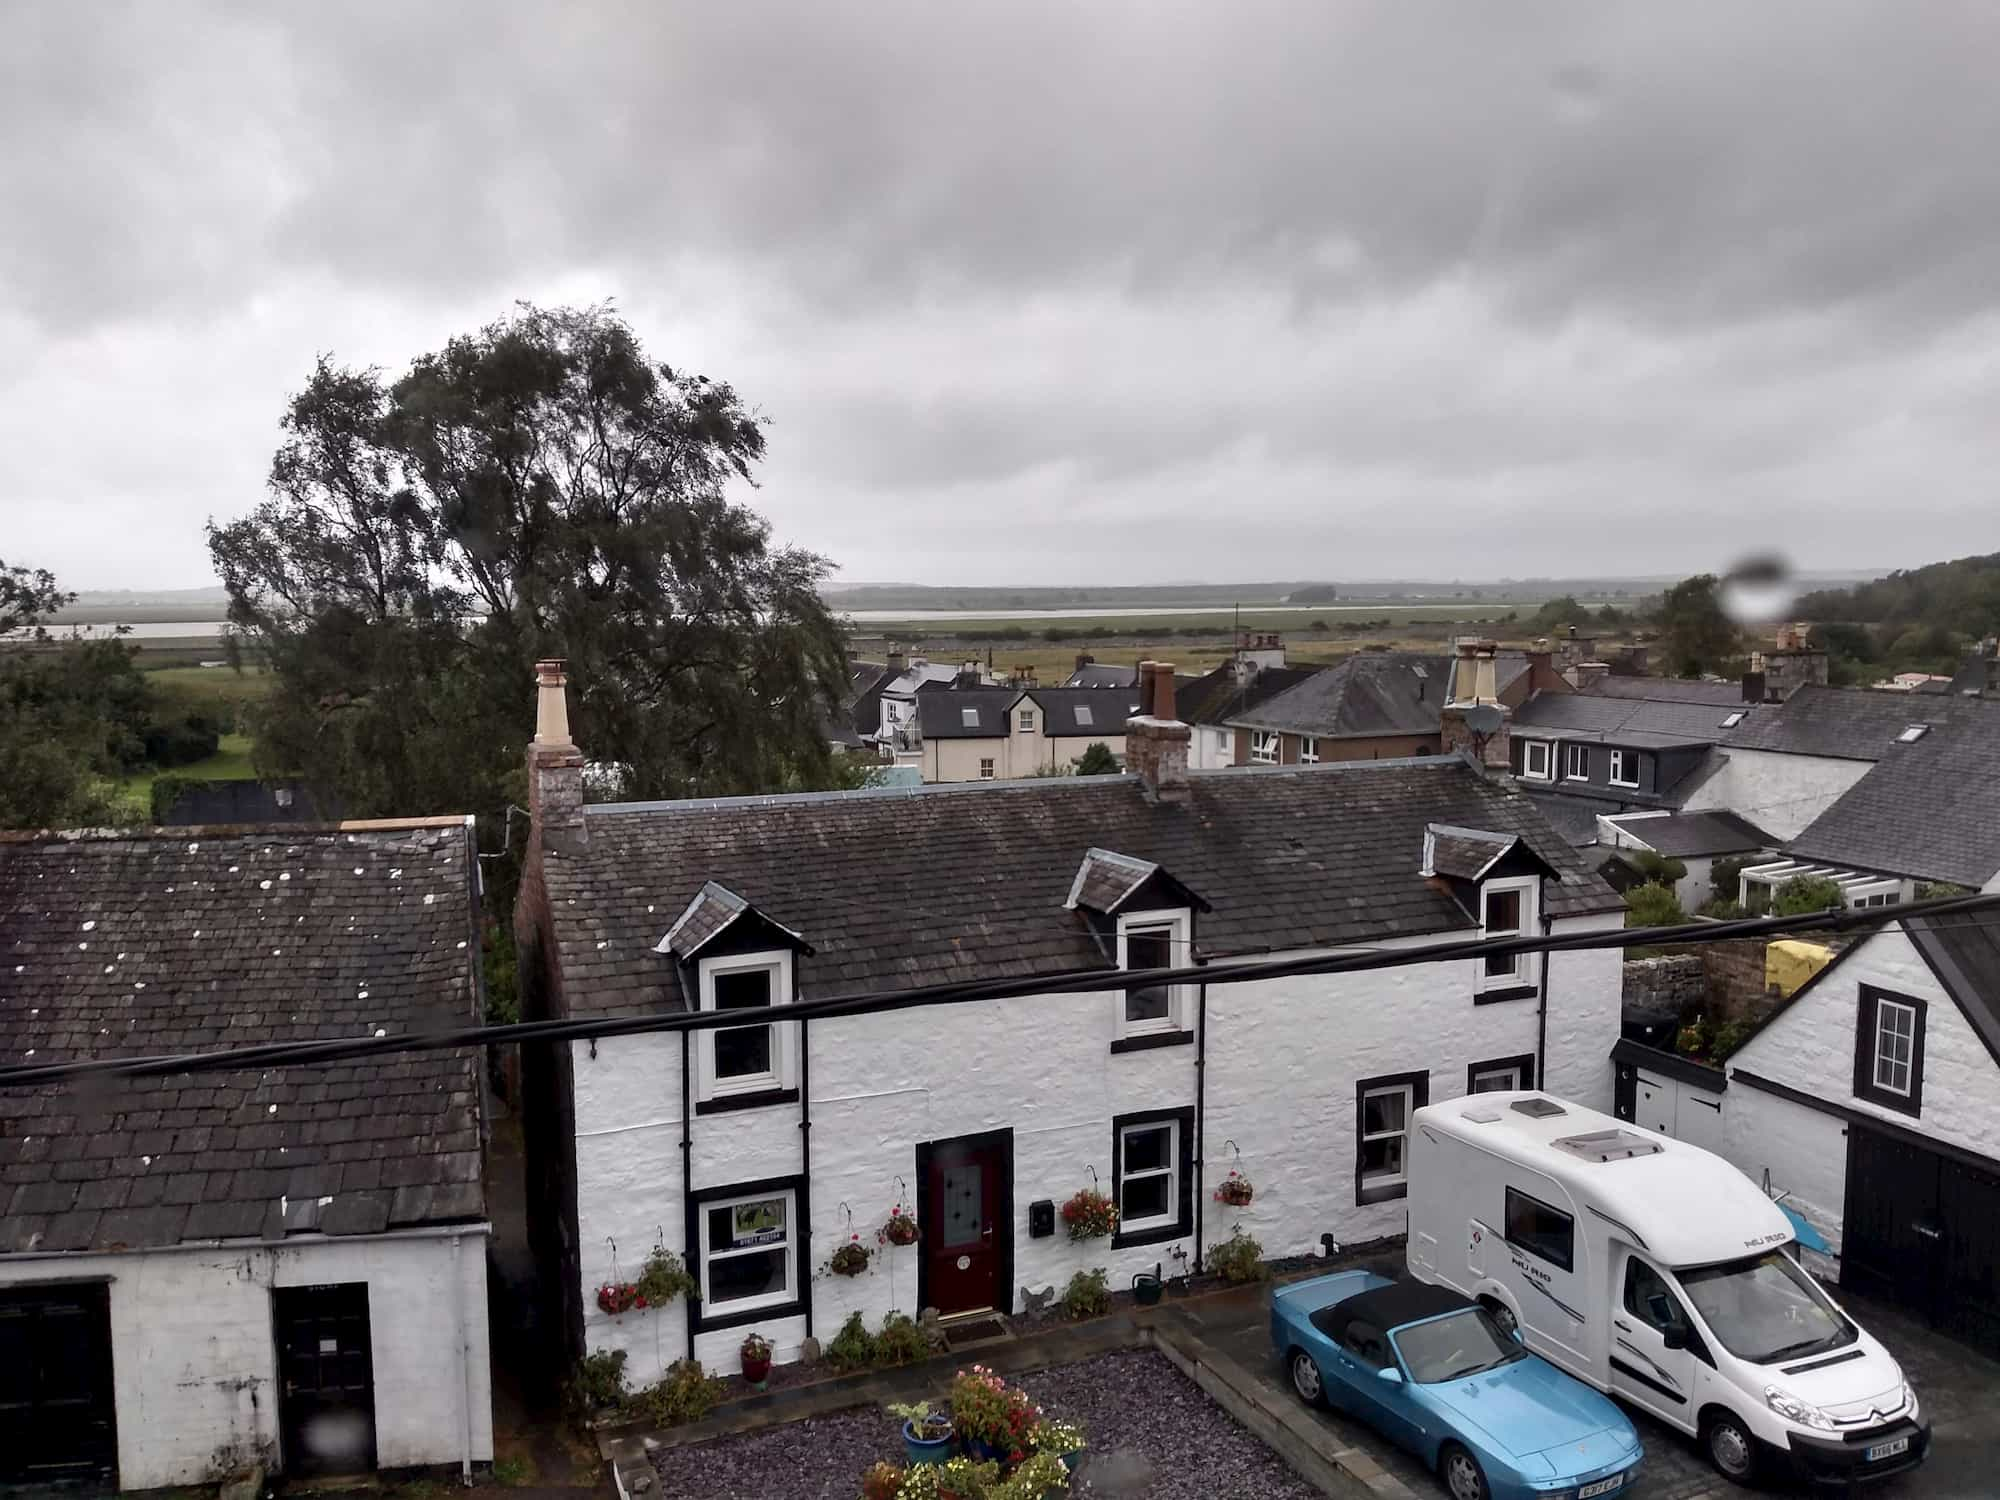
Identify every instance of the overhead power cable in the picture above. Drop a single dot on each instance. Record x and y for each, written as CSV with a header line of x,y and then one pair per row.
x,y
1071,981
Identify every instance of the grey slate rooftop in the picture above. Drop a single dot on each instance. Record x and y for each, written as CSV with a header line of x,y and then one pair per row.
x,y
1964,952
901,888
1650,722
193,939
1369,693
1857,723
1688,835
1216,696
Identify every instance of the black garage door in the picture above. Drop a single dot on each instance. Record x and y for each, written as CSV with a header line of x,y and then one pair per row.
x,y
1923,1230
55,1385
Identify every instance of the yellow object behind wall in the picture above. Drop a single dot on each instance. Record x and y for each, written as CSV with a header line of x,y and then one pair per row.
x,y
1789,963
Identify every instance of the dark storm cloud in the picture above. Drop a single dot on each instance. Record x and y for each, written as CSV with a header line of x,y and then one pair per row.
x,y
1050,257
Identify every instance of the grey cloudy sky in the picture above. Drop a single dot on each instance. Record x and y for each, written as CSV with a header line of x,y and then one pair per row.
x,y
1048,291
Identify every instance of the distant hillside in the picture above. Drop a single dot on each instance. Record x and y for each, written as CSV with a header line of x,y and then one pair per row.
x,y
1961,596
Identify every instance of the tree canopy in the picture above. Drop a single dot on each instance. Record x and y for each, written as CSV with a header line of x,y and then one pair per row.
x,y
1696,634
536,488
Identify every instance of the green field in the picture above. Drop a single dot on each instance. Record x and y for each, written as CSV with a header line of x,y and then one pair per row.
x,y
231,762
210,687
1196,624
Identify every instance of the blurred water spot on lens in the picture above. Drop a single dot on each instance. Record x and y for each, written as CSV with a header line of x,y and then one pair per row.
x,y
1758,589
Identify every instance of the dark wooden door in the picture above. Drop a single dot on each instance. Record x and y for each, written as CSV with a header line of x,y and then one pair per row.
x,y
57,1420
1969,1253
964,1219
326,1378
1890,1237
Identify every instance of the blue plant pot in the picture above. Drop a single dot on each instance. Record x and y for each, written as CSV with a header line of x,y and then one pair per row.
x,y
925,1450
1069,1461
984,1452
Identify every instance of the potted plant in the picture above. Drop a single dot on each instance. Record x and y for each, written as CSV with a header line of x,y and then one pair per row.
x,y
756,1355
850,1258
926,1433
1060,1439
992,1418
883,1481
900,1228
1089,1214
1235,1190
663,1278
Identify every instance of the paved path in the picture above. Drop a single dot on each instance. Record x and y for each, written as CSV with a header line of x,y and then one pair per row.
x,y
1957,1386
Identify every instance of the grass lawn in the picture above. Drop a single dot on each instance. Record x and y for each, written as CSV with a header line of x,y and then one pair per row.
x,y
231,762
208,687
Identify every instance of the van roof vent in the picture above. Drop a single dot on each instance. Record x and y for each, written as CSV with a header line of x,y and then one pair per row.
x,y
1538,1107
1607,1145
1482,1114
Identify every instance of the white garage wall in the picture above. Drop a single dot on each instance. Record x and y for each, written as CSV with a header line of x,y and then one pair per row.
x,y
1283,1059
1805,1151
194,1360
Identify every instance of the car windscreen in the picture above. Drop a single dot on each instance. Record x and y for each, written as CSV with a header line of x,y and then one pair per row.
x,y
1454,1346
1764,1308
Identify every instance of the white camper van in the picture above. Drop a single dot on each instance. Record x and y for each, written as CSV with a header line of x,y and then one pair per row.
x,y
1655,1271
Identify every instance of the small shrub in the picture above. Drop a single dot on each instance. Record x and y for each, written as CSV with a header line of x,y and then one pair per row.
x,y
901,1341
1087,1296
514,1471
882,1482
853,1348
1652,906
1237,1259
686,1393
1723,908
1728,1037
1724,876
1940,890
1097,760
598,1381
1806,893
1658,869
1692,1039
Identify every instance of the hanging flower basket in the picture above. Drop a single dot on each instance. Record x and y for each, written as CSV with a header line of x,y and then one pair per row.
x,y
899,1228
1235,1190
663,1278
851,1259
1090,1215
620,1297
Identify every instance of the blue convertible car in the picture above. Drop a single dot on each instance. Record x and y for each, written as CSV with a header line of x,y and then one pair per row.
x,y
1431,1370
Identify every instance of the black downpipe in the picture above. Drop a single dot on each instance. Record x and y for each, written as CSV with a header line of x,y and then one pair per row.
x,y
806,1139
1200,1103
1542,1011
687,1170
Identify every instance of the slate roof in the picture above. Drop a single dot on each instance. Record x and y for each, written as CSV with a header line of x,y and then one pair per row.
x,y
1685,835
941,713
1085,711
1103,674
1723,695
1369,693
147,943
1616,719
1572,816
865,683
961,881
1855,723
1963,950
1466,853
1215,697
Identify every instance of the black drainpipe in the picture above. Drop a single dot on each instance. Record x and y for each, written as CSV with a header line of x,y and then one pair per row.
x,y
806,1139
1200,1119
1542,1010
687,1172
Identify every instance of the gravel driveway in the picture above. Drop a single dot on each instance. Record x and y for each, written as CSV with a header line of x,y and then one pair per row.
x,y
1152,1433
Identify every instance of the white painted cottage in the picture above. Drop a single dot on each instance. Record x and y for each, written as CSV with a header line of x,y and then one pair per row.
x,y
757,1150
286,1266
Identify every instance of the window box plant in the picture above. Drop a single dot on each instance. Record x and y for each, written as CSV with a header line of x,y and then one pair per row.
x,y
1090,1215
900,1228
850,1258
756,1356
1235,1190
926,1433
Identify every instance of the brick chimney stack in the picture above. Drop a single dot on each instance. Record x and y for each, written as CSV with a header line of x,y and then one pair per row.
x,y
555,765
1156,743
1473,686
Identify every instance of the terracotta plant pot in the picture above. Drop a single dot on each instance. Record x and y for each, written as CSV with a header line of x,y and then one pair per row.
x,y
756,1371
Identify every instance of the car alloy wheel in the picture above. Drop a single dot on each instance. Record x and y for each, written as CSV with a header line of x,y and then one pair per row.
x,y
1462,1476
1731,1450
1305,1377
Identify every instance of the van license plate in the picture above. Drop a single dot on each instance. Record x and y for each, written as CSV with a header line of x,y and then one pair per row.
x,y
1602,1487
1889,1449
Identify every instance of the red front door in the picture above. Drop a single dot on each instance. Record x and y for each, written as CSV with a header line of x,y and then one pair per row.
x,y
965,1229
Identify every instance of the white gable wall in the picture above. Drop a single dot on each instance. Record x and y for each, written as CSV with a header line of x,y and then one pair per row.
x,y
1781,794
1283,1060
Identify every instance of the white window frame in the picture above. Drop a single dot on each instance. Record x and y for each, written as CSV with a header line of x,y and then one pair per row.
x,y
709,1306
1525,965
986,771
1024,719
1884,1006
1509,1071
1181,946
1263,747
1171,1171
1623,760
1308,750
1576,762
1528,752
1389,1179
784,1051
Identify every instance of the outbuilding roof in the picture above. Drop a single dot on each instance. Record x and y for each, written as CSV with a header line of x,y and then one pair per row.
x,y
1687,835
904,887
165,942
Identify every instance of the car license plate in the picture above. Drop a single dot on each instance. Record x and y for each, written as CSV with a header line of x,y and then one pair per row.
x,y
1601,1487
1889,1449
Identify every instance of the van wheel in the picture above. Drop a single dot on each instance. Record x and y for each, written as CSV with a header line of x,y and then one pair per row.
x,y
1306,1380
1501,1314
1462,1474
1730,1447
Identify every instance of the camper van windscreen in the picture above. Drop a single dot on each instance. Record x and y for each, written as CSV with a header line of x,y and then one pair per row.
x,y
1607,1145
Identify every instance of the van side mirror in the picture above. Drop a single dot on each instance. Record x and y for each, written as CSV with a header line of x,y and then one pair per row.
x,y
1674,1336
1391,1374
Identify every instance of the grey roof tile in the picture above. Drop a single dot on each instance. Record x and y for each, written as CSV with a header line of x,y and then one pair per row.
x,y
1368,693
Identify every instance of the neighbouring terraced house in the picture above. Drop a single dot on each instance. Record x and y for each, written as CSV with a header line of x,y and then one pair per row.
x,y
201,1272
756,1149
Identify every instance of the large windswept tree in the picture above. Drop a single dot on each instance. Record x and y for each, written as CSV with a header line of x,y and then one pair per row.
x,y
538,488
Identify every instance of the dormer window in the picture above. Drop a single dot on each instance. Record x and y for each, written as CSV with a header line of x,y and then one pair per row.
x,y
753,1059
1507,910
1535,756
1154,940
1624,768
1144,920
1027,720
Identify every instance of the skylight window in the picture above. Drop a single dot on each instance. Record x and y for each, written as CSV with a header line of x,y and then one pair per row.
x,y
1914,733
1083,714
1733,720
969,717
